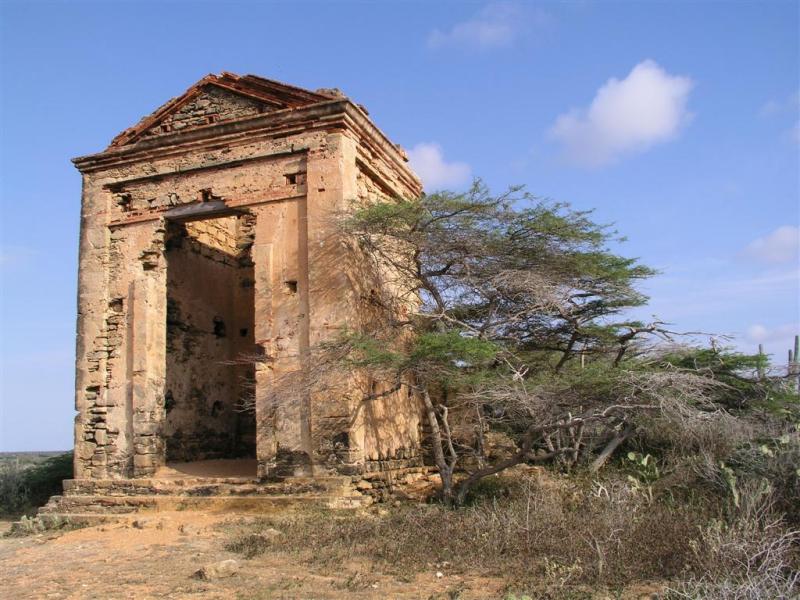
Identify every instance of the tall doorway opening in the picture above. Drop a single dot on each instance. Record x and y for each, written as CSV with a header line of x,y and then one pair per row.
x,y
210,426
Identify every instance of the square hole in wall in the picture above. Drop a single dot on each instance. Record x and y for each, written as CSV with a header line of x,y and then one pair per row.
x,y
295,178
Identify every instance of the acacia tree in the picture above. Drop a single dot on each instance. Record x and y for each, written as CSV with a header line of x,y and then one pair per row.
x,y
504,290
479,304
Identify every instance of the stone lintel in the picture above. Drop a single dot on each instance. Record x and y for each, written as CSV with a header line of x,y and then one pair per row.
x,y
231,207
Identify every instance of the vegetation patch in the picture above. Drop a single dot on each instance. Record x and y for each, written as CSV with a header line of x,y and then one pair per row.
x,y
27,484
553,533
249,545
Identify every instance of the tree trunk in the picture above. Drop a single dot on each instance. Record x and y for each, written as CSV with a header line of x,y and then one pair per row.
x,y
445,470
466,484
612,445
567,352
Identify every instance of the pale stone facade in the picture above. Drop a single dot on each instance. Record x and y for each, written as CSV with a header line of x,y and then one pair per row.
x,y
206,236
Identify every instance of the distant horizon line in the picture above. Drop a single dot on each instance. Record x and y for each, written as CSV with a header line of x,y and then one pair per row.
x,y
35,451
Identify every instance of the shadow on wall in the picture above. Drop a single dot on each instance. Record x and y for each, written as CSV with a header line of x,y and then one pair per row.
x,y
367,414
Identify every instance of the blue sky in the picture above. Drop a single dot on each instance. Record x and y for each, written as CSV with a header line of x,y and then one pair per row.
x,y
677,121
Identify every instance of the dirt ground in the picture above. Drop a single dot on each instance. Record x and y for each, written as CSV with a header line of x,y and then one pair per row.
x,y
158,561
156,555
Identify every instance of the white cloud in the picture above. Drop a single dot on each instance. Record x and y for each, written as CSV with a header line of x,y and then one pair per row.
x,y
496,25
723,301
626,116
776,340
789,104
759,333
769,108
428,162
780,246
779,109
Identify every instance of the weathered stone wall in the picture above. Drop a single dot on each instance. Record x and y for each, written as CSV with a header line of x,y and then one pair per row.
x,y
120,343
245,184
256,210
121,398
280,329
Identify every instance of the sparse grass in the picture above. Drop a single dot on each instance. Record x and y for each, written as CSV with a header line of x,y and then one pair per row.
x,y
750,556
249,545
36,525
539,535
558,537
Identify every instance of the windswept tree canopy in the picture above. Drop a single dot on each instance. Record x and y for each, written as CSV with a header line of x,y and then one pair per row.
x,y
527,273
506,315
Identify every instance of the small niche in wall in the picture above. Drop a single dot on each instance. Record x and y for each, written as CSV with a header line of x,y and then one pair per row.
x,y
219,327
341,441
169,401
295,178
116,305
123,200
291,286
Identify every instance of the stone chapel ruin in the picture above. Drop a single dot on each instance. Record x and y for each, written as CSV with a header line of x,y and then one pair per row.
x,y
206,236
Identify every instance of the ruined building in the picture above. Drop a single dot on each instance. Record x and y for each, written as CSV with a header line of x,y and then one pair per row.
x,y
206,236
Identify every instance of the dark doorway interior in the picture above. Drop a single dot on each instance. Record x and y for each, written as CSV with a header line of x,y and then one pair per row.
x,y
210,319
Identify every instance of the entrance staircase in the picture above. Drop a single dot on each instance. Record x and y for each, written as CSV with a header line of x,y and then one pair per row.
x,y
93,501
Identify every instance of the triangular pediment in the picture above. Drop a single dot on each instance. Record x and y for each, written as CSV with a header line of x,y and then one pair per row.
x,y
211,105
220,98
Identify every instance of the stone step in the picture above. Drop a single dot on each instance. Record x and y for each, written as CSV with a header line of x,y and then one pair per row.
x,y
61,506
197,487
121,505
56,520
45,521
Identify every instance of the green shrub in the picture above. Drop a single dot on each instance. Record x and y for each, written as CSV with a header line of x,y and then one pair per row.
x,y
23,489
13,490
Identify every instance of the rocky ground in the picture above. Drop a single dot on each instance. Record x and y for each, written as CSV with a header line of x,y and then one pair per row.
x,y
182,555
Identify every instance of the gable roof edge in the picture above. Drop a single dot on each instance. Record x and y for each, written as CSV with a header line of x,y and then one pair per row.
x,y
250,86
